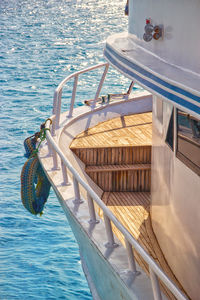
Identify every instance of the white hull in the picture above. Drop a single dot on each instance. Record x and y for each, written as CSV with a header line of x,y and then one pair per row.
x,y
106,269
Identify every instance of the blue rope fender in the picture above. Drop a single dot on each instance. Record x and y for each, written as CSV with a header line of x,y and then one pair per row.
x,y
30,144
35,186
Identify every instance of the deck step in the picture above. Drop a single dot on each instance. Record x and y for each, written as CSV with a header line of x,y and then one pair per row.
x,y
121,178
115,168
114,155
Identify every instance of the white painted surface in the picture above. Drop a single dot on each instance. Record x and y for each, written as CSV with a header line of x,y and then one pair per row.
x,y
90,247
180,44
108,267
173,59
134,50
175,208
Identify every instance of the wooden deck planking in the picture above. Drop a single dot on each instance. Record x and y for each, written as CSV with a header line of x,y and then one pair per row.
x,y
124,143
133,211
132,130
114,155
123,167
120,180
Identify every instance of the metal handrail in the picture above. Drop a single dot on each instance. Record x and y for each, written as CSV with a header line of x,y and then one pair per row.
x,y
58,92
155,270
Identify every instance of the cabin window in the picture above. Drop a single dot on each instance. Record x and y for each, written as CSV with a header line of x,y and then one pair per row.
x,y
170,132
188,140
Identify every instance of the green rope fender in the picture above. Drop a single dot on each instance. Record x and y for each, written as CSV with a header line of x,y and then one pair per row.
x,y
35,186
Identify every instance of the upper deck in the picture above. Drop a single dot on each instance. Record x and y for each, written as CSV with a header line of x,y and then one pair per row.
x,y
167,66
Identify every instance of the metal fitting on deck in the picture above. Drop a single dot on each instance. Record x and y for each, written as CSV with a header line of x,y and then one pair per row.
x,y
151,31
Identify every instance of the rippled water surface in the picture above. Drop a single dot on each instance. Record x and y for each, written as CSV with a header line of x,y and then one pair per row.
x,y
41,42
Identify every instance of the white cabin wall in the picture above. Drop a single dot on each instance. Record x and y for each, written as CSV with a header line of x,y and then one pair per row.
x,y
175,207
180,43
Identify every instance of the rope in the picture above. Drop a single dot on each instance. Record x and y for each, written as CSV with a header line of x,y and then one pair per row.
x,y
35,186
42,137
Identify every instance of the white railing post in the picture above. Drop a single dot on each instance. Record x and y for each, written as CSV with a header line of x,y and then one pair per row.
x,y
49,147
155,285
55,98
53,126
55,161
65,176
93,219
73,96
100,85
58,109
77,199
111,242
131,257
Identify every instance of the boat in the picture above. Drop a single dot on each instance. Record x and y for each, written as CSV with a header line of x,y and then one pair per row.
x,y
125,167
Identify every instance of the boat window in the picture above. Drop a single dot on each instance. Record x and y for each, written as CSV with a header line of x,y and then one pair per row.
x,y
188,140
170,132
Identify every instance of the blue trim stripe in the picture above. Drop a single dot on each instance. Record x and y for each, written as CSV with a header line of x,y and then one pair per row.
x,y
153,77
153,86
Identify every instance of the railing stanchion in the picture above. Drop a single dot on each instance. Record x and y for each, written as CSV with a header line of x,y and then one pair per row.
x,y
111,242
131,257
65,176
155,285
49,147
58,109
55,98
73,96
55,161
93,219
53,126
77,199
100,85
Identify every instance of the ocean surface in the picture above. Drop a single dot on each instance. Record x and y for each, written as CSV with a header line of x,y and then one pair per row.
x,y
41,42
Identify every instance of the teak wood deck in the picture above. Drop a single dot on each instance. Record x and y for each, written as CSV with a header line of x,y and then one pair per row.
x,y
133,211
117,157
132,130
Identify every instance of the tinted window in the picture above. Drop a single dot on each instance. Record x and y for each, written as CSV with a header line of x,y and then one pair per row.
x,y
188,140
170,132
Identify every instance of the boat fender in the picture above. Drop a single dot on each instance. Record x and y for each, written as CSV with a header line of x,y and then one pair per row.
x,y
30,144
35,186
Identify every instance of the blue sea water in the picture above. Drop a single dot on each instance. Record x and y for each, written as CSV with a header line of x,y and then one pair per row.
x,y
41,42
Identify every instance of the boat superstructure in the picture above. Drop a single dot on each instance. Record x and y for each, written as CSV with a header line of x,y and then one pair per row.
x,y
126,167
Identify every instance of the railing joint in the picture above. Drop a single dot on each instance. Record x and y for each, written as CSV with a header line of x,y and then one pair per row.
x,y
93,221
66,184
55,169
111,245
133,273
78,201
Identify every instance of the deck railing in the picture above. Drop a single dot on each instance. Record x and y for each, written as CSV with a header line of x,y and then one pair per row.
x,y
58,93
131,243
